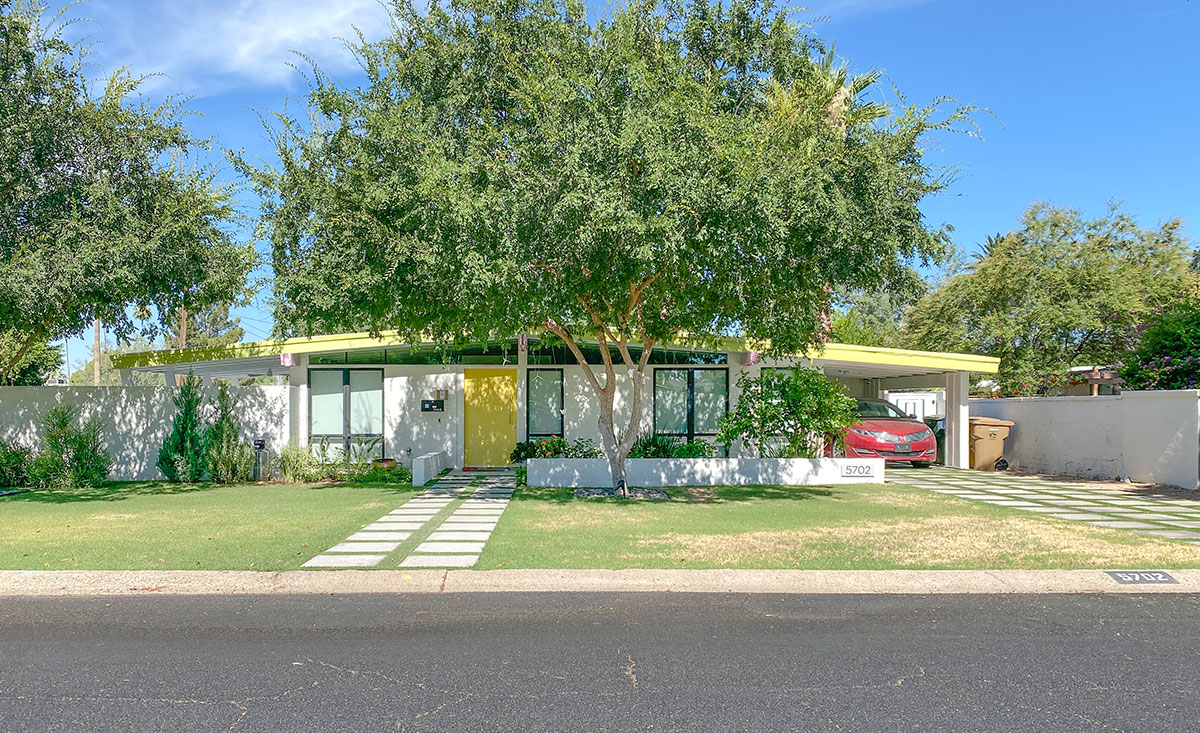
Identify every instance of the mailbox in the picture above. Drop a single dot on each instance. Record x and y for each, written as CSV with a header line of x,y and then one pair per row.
x,y
433,405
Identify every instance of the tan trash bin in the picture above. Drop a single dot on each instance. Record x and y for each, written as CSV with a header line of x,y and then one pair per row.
x,y
987,441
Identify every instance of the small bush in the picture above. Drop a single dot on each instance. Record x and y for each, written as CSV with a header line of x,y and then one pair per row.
x,y
230,461
398,476
699,449
522,476
554,447
183,456
14,465
297,465
584,448
70,457
653,446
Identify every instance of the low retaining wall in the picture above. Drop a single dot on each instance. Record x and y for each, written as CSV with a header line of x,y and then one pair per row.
x,y
1151,436
428,466
657,472
136,420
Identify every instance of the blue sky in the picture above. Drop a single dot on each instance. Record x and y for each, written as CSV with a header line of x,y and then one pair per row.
x,y
1093,101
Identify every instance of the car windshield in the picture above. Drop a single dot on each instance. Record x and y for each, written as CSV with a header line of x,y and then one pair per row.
x,y
879,409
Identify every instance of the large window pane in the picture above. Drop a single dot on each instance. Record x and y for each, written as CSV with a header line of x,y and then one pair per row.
x,y
327,403
366,402
671,401
544,402
710,399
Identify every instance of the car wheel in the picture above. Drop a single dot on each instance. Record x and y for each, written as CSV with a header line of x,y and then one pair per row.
x,y
921,464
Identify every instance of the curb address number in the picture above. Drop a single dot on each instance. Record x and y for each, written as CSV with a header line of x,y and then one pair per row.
x,y
1141,578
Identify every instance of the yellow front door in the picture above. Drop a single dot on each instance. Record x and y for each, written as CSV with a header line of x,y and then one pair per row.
x,y
490,399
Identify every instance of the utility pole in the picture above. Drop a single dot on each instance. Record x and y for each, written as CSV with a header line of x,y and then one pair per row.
x,y
96,353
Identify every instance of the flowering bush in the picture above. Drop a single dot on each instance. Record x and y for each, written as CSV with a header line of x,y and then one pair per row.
x,y
555,447
1168,356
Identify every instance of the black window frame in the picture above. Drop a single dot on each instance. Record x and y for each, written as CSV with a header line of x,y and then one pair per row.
x,y
562,403
347,438
691,433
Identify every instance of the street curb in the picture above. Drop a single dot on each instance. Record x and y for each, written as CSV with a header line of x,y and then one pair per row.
x,y
824,582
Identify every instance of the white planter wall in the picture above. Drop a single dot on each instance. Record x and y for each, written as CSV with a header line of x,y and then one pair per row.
x,y
659,472
1149,436
428,467
136,420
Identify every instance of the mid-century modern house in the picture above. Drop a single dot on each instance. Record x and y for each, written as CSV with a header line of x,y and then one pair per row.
x,y
476,402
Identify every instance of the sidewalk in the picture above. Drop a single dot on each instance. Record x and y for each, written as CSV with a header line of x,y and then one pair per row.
x,y
200,582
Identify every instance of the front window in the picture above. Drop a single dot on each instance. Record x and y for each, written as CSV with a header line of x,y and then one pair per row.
x,y
346,411
543,403
689,402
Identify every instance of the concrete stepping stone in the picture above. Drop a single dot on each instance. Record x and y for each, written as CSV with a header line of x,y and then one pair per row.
x,y
1079,515
1143,515
412,513
1190,524
439,561
1041,509
477,513
456,536
1071,502
1002,502
1123,524
379,536
468,526
448,548
344,561
392,526
402,522
1174,534
364,547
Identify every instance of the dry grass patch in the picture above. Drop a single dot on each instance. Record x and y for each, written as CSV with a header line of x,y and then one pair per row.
x,y
940,541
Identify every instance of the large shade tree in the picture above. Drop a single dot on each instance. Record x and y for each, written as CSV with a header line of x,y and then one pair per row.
x,y
103,206
677,170
1062,290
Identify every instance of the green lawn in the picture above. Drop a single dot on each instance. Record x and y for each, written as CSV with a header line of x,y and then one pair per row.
x,y
844,527
156,526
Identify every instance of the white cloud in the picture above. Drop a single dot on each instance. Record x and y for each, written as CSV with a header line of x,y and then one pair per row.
x,y
216,45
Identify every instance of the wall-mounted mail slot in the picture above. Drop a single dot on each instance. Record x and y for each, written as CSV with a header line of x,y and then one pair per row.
x,y
433,405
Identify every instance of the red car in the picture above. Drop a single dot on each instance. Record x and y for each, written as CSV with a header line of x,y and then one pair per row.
x,y
883,431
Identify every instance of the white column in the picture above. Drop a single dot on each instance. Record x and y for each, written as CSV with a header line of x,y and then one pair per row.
x,y
169,378
522,382
957,419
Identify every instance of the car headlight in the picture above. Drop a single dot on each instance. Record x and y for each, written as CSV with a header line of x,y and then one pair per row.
x,y
876,435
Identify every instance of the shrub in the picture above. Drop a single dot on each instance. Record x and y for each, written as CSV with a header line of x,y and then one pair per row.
x,y
230,461
653,446
14,465
183,456
1168,355
788,412
298,465
554,447
699,449
70,457
522,476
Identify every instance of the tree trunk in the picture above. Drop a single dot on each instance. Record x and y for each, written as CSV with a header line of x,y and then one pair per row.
x,y
96,353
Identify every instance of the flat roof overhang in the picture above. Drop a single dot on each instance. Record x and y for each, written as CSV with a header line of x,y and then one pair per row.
x,y
262,358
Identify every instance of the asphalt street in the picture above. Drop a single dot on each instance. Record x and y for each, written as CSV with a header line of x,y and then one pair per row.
x,y
595,662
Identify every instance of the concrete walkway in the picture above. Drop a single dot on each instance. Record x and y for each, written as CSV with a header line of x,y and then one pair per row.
x,y
459,538
1150,513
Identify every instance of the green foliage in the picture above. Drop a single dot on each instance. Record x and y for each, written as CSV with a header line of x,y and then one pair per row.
x,y
698,449
522,476
507,165
112,377
1168,355
230,460
555,447
875,319
398,476
297,465
103,203
183,456
788,413
211,326
1060,291
14,465
39,362
70,457
654,446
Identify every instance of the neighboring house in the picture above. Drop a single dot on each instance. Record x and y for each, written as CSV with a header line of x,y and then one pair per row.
x,y
476,402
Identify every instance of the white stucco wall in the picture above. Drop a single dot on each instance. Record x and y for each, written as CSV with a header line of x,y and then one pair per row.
x,y
1143,436
136,420
654,472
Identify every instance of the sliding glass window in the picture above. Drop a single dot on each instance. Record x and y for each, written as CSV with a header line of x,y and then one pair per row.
x,y
543,403
689,402
345,411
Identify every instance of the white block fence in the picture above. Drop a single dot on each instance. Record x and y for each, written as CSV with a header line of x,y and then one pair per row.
x,y
1151,436
427,467
660,472
136,420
